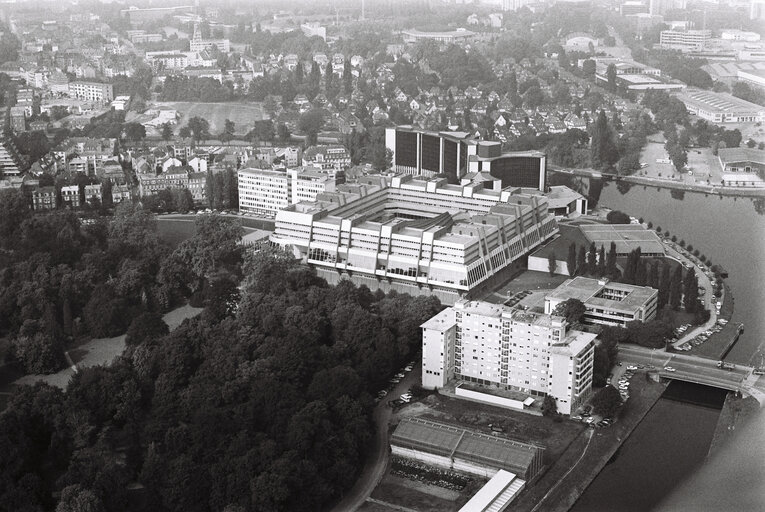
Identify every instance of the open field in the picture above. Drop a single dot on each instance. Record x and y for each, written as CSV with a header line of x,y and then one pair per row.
x,y
102,351
242,114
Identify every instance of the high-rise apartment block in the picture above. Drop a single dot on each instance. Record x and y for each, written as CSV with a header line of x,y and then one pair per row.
x,y
495,346
265,192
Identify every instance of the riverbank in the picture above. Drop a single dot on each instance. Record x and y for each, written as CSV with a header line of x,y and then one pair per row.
x,y
736,412
669,184
547,495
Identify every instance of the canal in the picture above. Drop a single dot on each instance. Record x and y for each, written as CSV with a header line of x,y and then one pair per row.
x,y
671,443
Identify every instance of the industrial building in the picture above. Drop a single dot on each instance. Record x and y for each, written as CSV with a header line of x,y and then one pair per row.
x,y
424,237
511,356
455,154
721,107
626,238
606,302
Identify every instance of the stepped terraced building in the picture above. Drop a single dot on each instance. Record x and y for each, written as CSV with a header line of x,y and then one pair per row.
x,y
424,237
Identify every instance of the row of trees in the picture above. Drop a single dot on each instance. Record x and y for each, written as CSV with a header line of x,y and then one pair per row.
x,y
592,261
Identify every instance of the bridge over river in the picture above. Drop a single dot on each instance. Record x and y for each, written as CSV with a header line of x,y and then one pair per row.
x,y
698,370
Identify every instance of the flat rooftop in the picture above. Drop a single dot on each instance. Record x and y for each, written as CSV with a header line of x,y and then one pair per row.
x,y
721,102
586,290
627,237
456,442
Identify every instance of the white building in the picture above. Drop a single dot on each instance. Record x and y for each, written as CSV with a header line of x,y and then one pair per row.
x,y
606,303
91,91
121,102
416,236
685,39
499,347
717,107
268,191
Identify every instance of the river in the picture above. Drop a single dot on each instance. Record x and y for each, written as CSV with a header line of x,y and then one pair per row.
x,y
670,444
728,230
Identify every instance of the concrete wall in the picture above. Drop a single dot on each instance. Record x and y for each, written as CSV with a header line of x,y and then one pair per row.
x,y
489,399
542,265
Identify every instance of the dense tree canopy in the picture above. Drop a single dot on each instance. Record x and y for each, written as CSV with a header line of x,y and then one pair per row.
x,y
264,406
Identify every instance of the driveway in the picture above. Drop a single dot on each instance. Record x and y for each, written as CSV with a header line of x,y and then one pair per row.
x,y
377,462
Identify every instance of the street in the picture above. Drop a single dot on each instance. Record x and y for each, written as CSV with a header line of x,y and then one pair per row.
x,y
689,368
377,462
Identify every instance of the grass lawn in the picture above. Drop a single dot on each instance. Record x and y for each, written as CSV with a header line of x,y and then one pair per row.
x,y
242,114
175,231
103,350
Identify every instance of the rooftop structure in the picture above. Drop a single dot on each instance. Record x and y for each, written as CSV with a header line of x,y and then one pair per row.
x,y
454,36
720,107
416,236
465,450
497,494
606,302
627,238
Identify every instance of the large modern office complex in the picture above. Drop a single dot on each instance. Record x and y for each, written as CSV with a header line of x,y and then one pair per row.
x,y
416,236
455,154
493,345
606,302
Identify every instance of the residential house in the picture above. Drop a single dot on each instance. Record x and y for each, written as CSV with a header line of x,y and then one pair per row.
x,y
44,198
70,196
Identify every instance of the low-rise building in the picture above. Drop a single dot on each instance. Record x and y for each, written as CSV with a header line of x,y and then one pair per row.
x,y
721,107
92,91
416,236
606,302
742,167
685,39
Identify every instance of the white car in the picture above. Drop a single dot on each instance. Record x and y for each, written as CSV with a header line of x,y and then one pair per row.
x,y
632,367
669,369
